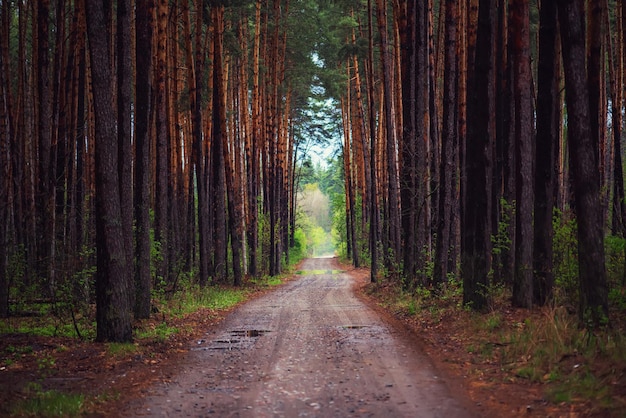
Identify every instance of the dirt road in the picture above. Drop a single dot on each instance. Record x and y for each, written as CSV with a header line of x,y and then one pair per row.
x,y
308,349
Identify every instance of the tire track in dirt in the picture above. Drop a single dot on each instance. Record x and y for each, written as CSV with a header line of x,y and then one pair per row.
x,y
307,349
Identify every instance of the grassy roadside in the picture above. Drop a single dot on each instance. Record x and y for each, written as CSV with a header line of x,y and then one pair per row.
x,y
517,361
47,370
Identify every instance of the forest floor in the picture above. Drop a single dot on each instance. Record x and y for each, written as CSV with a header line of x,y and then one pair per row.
x,y
121,381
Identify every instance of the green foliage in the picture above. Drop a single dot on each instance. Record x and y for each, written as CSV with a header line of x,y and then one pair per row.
x,y
49,403
565,246
315,205
300,248
264,241
501,241
314,239
616,271
492,293
339,230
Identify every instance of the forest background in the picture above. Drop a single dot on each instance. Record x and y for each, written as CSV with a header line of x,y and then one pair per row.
x,y
150,147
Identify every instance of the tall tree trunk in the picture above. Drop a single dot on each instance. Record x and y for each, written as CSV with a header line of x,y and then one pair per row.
x,y
143,63
618,224
584,166
414,176
253,150
162,156
194,79
594,76
352,245
476,226
218,192
5,167
361,145
448,170
412,149
125,156
113,309
242,91
524,138
220,134
504,165
393,204
548,116
45,179
374,212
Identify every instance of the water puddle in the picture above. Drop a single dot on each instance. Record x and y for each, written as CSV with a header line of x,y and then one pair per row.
x,y
250,332
234,340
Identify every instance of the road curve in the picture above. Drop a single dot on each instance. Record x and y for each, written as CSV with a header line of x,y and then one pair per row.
x,y
307,349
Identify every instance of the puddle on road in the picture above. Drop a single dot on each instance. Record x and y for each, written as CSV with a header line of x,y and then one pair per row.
x,y
314,272
354,326
235,340
250,332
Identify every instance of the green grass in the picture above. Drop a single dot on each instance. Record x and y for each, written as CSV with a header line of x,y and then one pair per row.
x,y
50,403
47,326
161,332
273,281
121,349
10,349
583,385
491,321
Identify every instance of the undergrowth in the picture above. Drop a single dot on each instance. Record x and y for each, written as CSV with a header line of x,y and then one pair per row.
x,y
174,317
544,346
48,403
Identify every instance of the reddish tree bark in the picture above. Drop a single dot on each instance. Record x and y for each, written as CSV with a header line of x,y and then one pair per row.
x,y
524,138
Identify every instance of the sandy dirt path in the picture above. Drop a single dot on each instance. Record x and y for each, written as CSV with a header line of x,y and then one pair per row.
x,y
307,349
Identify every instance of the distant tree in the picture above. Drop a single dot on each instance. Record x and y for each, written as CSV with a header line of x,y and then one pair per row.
x,y
351,241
